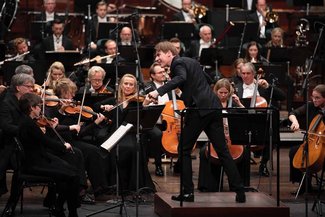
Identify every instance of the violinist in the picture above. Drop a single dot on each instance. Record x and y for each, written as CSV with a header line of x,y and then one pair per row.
x,y
127,91
315,107
209,175
75,134
40,162
245,89
54,73
10,115
96,76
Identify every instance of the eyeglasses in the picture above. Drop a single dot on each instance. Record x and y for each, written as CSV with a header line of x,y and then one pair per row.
x,y
28,86
96,80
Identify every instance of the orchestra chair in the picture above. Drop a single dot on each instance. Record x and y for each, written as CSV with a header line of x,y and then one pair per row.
x,y
26,180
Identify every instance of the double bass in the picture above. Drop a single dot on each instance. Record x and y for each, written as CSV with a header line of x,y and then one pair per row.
x,y
316,147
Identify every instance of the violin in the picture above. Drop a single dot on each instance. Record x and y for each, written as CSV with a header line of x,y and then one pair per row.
x,y
86,112
104,89
316,147
39,90
135,98
45,122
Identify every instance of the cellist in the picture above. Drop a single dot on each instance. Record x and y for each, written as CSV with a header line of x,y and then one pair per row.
x,y
314,108
245,89
209,174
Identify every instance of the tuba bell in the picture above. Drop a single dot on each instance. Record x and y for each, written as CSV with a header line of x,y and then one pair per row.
x,y
199,10
271,16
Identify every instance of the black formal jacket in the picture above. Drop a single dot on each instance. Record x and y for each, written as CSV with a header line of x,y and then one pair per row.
x,y
48,43
35,142
193,50
178,16
187,74
278,94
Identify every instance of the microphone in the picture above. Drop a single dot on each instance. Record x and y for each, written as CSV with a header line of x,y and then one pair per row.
x,y
134,14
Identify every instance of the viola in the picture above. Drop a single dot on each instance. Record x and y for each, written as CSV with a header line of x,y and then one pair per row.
x,y
316,147
103,90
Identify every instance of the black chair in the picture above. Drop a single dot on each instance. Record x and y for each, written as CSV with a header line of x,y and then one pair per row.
x,y
25,180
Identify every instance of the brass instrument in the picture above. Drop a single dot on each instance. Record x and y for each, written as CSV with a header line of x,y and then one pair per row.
x,y
271,16
199,10
301,30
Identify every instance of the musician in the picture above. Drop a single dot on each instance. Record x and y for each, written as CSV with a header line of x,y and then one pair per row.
x,y
39,161
54,73
246,89
21,48
205,41
127,146
317,106
276,38
92,27
209,173
110,49
186,14
236,74
187,74
178,45
10,115
57,41
249,5
26,69
74,133
96,76
259,15
253,53
126,36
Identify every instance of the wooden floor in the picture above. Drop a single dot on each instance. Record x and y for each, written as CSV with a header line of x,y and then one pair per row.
x,y
169,184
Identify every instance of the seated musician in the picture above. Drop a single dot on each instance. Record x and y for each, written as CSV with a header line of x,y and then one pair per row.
x,y
54,73
96,76
246,89
109,53
39,161
9,124
205,41
178,45
186,14
253,54
73,131
57,41
209,175
317,106
276,38
126,36
21,48
127,146
236,72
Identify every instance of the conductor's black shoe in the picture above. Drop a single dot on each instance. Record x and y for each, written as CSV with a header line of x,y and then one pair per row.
x,y
177,167
263,171
185,198
159,171
240,197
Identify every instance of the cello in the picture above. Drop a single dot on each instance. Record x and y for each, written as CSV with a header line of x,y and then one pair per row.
x,y
236,151
316,147
170,137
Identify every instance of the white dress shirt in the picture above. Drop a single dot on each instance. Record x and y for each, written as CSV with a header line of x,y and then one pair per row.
x,y
203,44
262,24
248,90
57,42
49,16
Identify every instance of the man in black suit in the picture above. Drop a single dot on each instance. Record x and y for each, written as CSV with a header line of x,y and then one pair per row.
x,y
57,41
249,5
186,14
246,88
188,75
205,41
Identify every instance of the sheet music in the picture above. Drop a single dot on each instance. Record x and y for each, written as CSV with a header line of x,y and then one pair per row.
x,y
116,136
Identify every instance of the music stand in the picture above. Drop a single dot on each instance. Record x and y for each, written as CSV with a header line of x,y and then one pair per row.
x,y
273,71
67,58
149,116
231,3
106,30
223,56
147,54
123,68
310,2
128,53
244,131
250,34
183,30
276,54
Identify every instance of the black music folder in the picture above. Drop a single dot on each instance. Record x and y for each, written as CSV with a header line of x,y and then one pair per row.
x,y
271,71
222,55
68,58
108,30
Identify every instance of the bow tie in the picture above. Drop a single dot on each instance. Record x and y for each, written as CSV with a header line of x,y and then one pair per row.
x,y
250,87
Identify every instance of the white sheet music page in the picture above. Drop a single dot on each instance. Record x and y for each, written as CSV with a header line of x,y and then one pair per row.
x,y
116,136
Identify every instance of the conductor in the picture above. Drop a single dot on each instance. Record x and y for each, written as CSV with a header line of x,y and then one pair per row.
x,y
187,74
